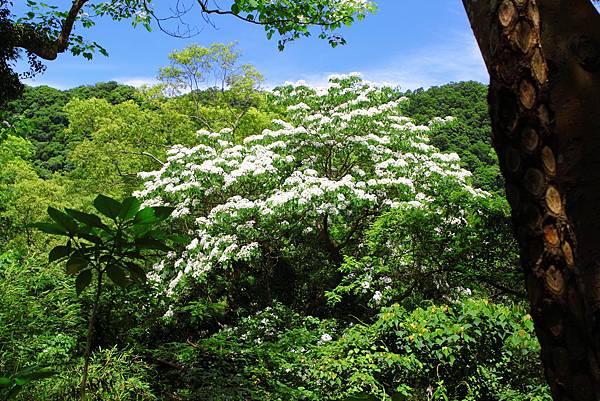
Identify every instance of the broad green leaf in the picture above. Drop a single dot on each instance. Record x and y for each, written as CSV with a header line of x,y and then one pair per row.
x,y
92,238
62,219
50,228
58,252
163,212
156,234
5,381
145,216
151,243
76,264
107,206
129,207
140,230
83,280
86,218
137,272
117,275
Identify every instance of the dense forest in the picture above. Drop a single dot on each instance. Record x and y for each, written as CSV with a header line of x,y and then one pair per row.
x,y
349,242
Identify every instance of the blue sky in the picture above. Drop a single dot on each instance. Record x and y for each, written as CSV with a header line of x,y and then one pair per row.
x,y
411,43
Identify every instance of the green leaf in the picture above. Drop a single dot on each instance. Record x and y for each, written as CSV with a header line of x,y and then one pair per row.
x,y
129,207
92,238
86,218
58,252
140,230
50,228
62,219
151,243
137,272
5,381
156,234
117,275
107,206
76,264
83,280
163,212
145,216
21,381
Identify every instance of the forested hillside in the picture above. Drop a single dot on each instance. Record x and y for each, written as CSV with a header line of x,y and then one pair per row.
x,y
339,243
40,117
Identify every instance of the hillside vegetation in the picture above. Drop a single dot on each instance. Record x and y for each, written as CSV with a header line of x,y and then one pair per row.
x,y
339,243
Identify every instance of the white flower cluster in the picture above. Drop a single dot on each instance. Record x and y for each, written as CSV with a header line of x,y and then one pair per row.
x,y
343,154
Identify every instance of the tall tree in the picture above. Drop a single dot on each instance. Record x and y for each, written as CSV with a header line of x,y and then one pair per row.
x,y
544,62
215,80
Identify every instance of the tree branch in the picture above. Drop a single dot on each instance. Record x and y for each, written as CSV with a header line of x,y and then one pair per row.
x,y
38,42
205,9
150,155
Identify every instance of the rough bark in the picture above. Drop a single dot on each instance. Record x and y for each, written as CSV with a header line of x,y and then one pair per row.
x,y
544,63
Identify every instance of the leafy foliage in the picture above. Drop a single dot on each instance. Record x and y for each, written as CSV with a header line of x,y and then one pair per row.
x,y
451,246
469,135
39,116
340,254
469,350
95,247
222,93
10,86
11,386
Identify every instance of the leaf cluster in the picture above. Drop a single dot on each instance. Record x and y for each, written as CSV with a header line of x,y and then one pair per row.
x,y
115,247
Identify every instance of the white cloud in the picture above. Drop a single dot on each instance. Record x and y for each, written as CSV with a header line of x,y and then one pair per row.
x,y
136,81
455,57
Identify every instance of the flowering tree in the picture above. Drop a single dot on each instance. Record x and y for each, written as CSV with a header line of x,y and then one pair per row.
x,y
298,197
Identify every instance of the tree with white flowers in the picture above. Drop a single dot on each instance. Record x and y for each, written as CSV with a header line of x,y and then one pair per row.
x,y
286,205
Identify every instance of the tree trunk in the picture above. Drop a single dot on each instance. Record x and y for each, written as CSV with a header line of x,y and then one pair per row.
x,y
544,63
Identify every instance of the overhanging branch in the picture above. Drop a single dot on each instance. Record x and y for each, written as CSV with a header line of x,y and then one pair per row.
x,y
38,42
205,9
